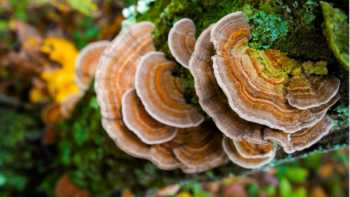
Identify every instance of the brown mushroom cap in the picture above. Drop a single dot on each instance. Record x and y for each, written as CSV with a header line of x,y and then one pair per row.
x,y
304,93
255,93
87,62
199,148
163,157
116,70
181,40
125,139
301,139
210,96
253,150
143,125
161,94
247,161
114,76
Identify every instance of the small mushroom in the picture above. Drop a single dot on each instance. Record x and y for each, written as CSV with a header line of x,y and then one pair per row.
x,y
163,157
143,125
181,40
199,148
301,139
210,96
87,62
305,93
254,155
161,94
254,81
254,150
125,139
116,70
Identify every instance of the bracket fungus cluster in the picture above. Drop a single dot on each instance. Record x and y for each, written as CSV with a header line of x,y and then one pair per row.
x,y
255,99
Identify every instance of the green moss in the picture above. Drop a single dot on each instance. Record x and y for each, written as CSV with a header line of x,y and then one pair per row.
x,y
336,30
315,68
266,29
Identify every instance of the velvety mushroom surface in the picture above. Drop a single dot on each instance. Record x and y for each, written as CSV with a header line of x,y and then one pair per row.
x,y
117,66
301,139
212,99
161,93
143,125
260,156
87,62
114,76
305,93
181,40
199,148
254,81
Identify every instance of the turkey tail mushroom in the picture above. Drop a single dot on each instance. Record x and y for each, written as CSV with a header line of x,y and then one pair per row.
x,y
249,155
305,93
143,125
161,94
181,40
210,96
114,76
199,148
254,81
116,70
87,62
300,140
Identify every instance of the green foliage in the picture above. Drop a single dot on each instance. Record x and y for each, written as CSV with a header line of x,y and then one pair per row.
x,y
336,30
86,7
18,154
86,32
266,29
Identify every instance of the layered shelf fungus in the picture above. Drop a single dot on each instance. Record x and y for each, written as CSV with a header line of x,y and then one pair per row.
x,y
255,81
87,62
256,99
181,40
143,125
161,92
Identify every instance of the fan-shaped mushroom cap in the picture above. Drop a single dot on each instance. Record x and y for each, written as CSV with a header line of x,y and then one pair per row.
x,y
125,139
144,126
163,157
254,151
181,40
249,159
116,70
210,96
199,148
301,139
305,93
161,94
87,62
254,81
114,76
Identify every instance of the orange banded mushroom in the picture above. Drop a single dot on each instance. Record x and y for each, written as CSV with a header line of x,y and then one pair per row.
x,y
144,126
254,81
304,93
199,148
87,62
254,155
163,157
116,70
301,139
181,40
212,99
161,94
114,76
